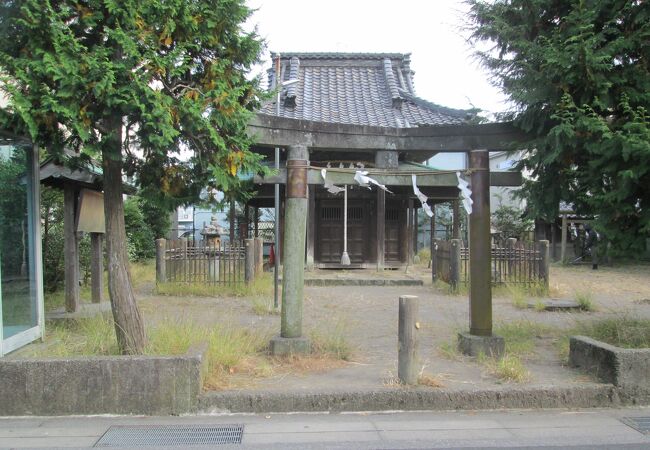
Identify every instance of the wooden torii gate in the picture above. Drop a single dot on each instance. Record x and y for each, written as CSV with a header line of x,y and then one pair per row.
x,y
302,137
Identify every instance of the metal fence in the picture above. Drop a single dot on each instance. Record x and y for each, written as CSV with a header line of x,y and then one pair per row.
x,y
515,263
185,261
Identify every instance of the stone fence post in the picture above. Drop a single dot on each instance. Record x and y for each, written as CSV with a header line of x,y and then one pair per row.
x,y
434,261
161,269
259,256
544,263
454,263
249,260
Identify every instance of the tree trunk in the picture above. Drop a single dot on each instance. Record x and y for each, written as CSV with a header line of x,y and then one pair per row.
x,y
129,327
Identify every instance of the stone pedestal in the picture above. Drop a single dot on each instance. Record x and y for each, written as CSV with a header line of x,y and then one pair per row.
x,y
281,346
472,345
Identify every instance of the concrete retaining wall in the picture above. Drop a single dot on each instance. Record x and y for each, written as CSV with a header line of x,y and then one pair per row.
x,y
153,385
626,368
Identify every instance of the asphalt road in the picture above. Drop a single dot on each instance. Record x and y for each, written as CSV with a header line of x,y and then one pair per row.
x,y
548,429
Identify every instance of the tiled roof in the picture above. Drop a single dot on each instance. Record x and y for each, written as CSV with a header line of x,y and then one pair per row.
x,y
374,89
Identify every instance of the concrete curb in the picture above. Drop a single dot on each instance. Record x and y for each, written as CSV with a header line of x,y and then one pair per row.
x,y
325,282
414,399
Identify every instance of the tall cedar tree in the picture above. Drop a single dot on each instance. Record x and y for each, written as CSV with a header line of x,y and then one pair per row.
x,y
578,72
132,83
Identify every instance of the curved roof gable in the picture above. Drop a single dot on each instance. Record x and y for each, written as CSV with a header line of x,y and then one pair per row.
x,y
374,89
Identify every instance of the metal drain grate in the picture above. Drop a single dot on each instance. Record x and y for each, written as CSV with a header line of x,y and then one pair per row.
x,y
640,424
171,435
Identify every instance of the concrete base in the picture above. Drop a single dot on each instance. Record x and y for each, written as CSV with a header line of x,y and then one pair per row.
x,y
281,346
472,345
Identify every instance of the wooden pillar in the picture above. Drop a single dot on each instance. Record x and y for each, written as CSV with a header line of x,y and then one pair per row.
x,y
564,239
455,223
416,230
256,230
96,267
71,248
403,231
247,221
410,227
381,228
480,246
311,228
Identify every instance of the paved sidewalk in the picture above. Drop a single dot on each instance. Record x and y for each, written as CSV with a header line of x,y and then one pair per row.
x,y
581,429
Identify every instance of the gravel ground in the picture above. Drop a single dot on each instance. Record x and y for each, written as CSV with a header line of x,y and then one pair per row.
x,y
367,317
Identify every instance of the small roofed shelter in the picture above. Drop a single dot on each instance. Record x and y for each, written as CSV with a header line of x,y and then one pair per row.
x,y
83,212
360,112
21,267
344,117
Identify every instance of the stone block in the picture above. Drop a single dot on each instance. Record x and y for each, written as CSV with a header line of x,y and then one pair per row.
x,y
472,345
152,385
281,346
623,367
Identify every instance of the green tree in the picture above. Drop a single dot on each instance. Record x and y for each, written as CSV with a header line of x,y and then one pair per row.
x,y
133,83
578,74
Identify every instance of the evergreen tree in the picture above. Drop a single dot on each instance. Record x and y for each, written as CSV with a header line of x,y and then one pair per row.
x,y
133,83
578,72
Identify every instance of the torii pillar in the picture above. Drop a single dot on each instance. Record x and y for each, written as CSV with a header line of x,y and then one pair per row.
x,y
291,340
480,338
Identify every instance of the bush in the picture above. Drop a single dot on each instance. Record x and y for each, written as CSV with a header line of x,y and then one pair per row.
x,y
140,237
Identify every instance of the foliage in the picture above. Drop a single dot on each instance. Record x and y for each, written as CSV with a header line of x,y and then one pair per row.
x,y
140,237
175,71
511,223
156,217
578,76
135,82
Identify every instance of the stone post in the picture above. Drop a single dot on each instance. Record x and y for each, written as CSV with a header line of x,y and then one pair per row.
x,y
96,267
249,260
407,339
161,269
259,256
563,255
544,262
480,338
295,230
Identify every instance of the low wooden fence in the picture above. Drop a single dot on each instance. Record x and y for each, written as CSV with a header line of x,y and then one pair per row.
x,y
515,263
200,262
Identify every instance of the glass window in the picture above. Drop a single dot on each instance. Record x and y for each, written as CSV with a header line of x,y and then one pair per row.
x,y
17,247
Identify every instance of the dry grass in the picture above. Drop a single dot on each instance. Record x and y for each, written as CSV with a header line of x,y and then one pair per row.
x,y
508,368
261,286
330,340
430,381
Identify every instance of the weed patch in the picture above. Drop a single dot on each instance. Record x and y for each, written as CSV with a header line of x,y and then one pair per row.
x,y
508,368
331,341
585,300
520,335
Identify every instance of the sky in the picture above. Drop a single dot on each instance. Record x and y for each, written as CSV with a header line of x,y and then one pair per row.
x,y
431,30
